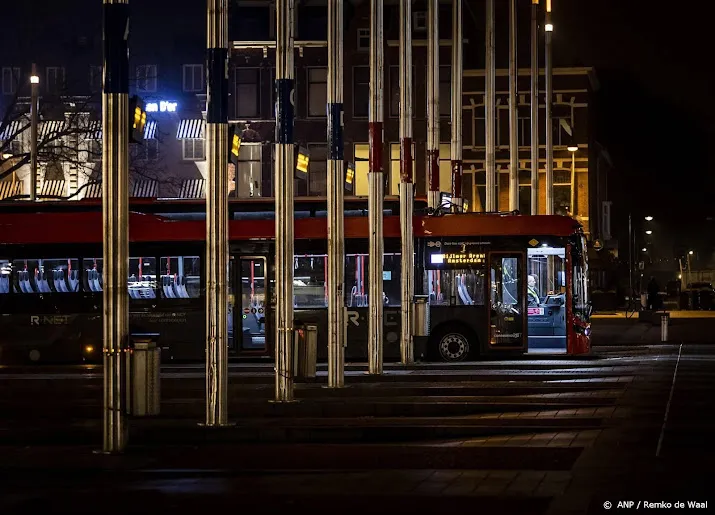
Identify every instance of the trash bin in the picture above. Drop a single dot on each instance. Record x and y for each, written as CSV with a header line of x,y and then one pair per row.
x,y
305,351
143,374
421,328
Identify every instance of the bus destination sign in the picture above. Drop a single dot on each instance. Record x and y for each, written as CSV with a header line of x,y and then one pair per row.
x,y
444,255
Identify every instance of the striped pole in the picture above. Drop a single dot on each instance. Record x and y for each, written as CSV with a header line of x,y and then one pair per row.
x,y
284,171
534,107
336,189
376,185
217,214
115,215
513,113
490,102
433,103
457,66
549,28
407,190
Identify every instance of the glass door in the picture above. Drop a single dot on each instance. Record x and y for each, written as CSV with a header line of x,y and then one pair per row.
x,y
252,311
507,322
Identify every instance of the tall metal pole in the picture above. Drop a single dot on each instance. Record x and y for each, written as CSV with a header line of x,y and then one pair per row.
x,y
284,170
513,113
433,103
217,214
336,188
115,220
376,185
457,66
34,120
490,111
534,107
549,28
407,249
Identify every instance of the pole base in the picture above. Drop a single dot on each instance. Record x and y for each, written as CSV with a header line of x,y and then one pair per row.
x,y
273,401
216,426
107,453
335,387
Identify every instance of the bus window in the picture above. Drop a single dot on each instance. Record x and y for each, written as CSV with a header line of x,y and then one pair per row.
x,y
29,276
93,274
180,277
581,307
455,287
310,279
357,269
62,275
142,278
5,271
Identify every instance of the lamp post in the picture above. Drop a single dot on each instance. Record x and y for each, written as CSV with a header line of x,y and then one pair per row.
x,y
689,276
573,148
34,118
549,136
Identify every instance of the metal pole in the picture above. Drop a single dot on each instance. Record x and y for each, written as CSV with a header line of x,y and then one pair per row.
x,y
336,188
549,123
217,213
457,66
34,120
115,220
490,111
407,250
630,256
573,184
513,113
433,103
284,170
534,107
376,184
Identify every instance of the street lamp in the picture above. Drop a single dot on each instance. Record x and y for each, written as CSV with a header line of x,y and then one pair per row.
x,y
690,253
649,232
34,120
644,249
648,218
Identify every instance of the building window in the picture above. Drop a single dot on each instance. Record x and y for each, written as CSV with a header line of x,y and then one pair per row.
x,y
146,78
55,79
193,150
362,167
193,77
562,192
94,150
248,179
318,170
95,79
317,91
394,186
445,91
525,192
395,90
248,98
445,168
363,39
361,91
10,80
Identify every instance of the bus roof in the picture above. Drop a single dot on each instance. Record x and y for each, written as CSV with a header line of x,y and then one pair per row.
x,y
85,226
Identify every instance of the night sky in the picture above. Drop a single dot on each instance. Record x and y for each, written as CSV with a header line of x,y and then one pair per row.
x,y
655,108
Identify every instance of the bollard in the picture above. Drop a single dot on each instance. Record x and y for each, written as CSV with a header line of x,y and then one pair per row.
x,y
143,374
421,325
664,319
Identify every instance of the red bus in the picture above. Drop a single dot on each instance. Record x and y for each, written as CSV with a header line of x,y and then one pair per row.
x,y
497,283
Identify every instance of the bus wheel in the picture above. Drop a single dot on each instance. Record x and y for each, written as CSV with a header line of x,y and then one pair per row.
x,y
452,343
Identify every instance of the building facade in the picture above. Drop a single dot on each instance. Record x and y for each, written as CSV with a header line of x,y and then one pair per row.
x,y
167,53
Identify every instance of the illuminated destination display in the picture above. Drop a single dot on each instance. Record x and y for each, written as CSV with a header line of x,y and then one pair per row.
x,y
470,258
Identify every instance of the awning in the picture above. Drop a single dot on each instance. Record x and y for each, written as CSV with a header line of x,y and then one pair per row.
x,y
190,129
51,128
94,131
11,130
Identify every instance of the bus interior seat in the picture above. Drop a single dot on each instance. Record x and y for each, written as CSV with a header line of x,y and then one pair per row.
x,y
463,293
180,287
41,282
24,280
58,280
4,284
73,279
166,286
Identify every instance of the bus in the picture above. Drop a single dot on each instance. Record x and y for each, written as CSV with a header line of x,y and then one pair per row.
x,y
496,283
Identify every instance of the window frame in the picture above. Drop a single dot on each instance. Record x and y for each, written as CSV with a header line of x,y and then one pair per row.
x,y
13,72
355,86
57,85
310,82
257,94
188,71
363,33
145,84
193,157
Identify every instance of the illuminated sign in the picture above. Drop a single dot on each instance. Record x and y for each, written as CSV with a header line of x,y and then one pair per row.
x,y
535,311
457,259
161,107
137,119
302,163
235,148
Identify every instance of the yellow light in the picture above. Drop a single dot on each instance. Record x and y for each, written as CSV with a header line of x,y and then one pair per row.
x,y
89,349
34,79
350,176
549,27
680,276
691,252
303,161
236,145
649,218
6,156
572,148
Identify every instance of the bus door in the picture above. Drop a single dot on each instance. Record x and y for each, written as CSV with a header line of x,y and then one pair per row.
x,y
247,305
507,292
